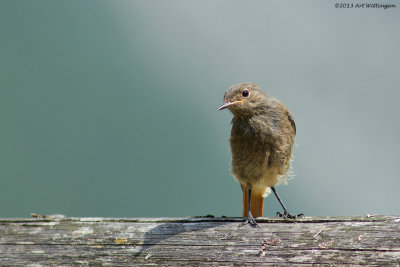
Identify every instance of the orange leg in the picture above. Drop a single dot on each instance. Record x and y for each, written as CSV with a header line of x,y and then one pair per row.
x,y
257,203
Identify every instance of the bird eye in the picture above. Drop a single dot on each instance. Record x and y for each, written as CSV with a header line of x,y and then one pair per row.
x,y
245,93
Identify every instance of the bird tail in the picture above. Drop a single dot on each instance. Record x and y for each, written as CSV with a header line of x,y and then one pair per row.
x,y
257,203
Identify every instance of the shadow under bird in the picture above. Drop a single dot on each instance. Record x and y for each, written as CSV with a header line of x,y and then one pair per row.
x,y
262,137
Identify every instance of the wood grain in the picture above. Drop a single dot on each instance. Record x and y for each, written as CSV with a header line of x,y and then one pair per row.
x,y
47,240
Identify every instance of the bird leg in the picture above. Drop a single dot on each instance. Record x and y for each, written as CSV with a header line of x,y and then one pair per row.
x,y
286,214
250,219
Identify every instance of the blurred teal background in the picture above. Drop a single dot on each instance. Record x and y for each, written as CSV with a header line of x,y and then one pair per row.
x,y
109,108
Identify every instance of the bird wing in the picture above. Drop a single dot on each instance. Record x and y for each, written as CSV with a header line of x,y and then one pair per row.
x,y
290,118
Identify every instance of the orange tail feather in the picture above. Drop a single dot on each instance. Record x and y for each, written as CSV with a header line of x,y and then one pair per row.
x,y
257,203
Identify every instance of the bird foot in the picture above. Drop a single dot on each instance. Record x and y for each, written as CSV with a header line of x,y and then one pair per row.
x,y
250,220
287,215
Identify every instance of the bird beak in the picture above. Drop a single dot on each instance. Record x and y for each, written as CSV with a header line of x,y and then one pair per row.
x,y
229,104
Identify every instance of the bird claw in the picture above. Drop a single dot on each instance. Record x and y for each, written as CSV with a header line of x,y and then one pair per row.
x,y
287,215
250,220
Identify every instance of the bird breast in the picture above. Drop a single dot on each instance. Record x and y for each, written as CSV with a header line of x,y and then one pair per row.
x,y
257,152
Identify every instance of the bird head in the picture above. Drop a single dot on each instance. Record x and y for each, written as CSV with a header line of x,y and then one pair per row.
x,y
244,99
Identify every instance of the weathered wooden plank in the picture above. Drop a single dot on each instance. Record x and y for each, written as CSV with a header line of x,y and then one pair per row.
x,y
54,240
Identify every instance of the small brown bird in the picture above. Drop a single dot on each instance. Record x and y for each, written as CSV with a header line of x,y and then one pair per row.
x,y
262,137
